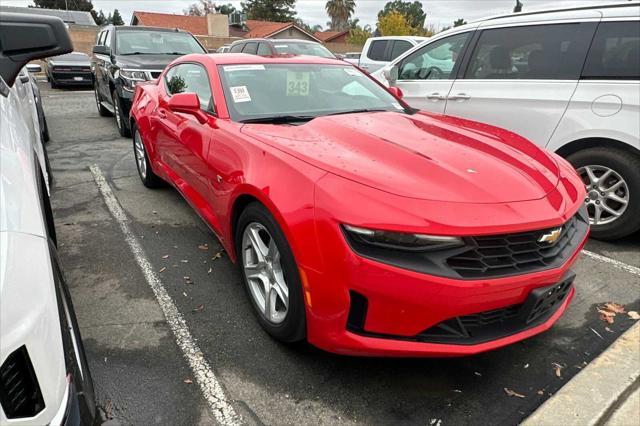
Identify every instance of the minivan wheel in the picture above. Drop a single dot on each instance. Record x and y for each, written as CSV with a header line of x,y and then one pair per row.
x,y
612,180
121,120
270,274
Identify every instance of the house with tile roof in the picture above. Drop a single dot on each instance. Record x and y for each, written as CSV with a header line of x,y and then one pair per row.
x,y
332,36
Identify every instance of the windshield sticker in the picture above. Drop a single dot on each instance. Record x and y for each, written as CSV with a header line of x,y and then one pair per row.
x,y
231,68
240,94
352,72
297,83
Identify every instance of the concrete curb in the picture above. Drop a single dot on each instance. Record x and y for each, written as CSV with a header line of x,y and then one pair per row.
x,y
591,397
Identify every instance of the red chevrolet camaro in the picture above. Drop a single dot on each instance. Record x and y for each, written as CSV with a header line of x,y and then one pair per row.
x,y
358,223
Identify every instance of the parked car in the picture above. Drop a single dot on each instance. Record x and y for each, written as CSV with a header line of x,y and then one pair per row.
x,y
352,57
44,375
272,47
224,49
358,223
72,69
379,51
567,80
126,55
42,119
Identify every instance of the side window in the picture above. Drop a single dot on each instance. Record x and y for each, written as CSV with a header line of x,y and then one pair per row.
x,y
263,50
435,61
399,47
190,78
615,52
236,48
377,50
107,38
547,52
250,48
100,38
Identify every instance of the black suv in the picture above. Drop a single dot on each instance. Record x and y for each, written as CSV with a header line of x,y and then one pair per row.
x,y
124,56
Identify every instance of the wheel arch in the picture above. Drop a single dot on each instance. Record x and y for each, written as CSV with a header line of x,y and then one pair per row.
x,y
592,142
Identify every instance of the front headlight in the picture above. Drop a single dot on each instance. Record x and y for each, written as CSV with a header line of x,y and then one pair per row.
x,y
132,77
399,240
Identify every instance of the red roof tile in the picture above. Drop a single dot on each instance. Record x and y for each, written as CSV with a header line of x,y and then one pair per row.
x,y
194,24
326,36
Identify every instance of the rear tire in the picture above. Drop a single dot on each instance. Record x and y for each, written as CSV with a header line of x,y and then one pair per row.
x,y
121,120
626,166
290,327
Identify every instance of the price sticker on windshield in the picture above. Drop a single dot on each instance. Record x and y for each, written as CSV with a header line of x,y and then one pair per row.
x,y
240,94
297,83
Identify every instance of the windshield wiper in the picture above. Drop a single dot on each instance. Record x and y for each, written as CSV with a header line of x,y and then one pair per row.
x,y
138,53
279,119
356,111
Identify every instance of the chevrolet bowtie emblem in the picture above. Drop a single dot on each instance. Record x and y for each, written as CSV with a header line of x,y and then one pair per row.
x,y
551,237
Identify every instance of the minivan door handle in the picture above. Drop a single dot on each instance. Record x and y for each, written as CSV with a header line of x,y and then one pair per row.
x,y
459,97
436,97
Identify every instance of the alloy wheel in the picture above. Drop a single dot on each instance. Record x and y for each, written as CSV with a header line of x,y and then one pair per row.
x,y
116,109
97,96
607,193
140,155
264,274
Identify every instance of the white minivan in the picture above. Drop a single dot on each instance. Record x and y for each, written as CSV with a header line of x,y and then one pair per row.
x,y
379,51
568,80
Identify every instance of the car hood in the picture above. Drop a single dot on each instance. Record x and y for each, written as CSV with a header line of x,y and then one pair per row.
x,y
146,62
420,156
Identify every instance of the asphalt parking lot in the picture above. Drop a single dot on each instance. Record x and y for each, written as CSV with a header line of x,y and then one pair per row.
x,y
143,377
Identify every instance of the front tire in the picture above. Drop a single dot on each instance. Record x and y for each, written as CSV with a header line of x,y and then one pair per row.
x,y
101,109
121,120
612,180
147,176
270,274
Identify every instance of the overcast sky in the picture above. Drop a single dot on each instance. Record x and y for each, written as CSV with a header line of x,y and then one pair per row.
x,y
439,12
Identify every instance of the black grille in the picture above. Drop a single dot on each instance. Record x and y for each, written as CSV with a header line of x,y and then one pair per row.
x,y
501,255
19,391
490,325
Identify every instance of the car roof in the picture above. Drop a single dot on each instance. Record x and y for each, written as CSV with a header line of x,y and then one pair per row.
x,y
143,28
275,40
243,58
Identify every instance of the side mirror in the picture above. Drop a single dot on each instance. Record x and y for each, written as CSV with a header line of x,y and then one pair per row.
x,y
24,38
34,68
391,74
395,91
101,50
188,103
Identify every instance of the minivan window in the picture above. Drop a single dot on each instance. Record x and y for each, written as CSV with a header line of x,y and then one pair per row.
x,y
549,52
107,38
250,48
100,41
377,51
434,61
236,48
615,52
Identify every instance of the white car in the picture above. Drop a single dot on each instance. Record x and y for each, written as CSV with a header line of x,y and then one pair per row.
x,y
568,80
379,51
44,377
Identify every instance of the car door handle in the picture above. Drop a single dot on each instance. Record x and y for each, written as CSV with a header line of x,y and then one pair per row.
x,y
459,97
436,97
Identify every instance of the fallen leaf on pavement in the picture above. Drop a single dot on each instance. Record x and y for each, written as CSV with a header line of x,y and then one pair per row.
x,y
164,268
513,393
558,368
198,308
526,366
218,255
209,271
633,315
540,392
614,307
203,247
184,261
477,374
166,256
188,381
606,316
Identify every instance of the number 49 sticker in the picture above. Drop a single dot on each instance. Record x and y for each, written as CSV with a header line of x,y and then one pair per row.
x,y
297,83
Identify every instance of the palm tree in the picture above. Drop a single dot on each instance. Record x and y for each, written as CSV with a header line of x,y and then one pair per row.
x,y
340,11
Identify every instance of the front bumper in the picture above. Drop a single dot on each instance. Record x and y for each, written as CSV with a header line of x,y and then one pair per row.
x,y
72,78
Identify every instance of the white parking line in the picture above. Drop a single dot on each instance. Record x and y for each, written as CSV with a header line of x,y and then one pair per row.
x,y
220,407
620,265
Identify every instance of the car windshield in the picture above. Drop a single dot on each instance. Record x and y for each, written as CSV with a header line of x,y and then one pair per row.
x,y
298,92
156,43
302,48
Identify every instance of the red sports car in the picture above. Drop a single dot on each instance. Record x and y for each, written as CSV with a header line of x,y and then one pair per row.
x,y
358,223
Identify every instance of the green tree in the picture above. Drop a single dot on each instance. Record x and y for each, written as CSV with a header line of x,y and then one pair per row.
x,y
270,10
394,23
99,17
116,19
412,11
83,5
518,7
358,34
340,11
459,22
